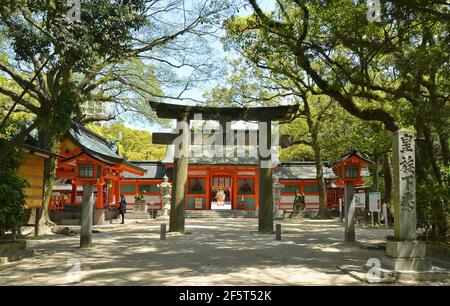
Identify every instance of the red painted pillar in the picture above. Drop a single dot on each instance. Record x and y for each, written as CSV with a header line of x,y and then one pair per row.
x,y
73,198
117,192
99,204
208,191
234,197
109,195
256,189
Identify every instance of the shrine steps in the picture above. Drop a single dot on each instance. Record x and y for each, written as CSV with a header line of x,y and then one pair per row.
x,y
221,214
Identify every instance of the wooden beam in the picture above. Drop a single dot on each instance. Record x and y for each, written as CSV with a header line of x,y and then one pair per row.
x,y
272,113
168,138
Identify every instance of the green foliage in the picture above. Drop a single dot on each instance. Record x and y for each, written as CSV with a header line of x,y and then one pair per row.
x,y
243,87
60,117
342,132
433,212
105,29
12,192
134,144
395,71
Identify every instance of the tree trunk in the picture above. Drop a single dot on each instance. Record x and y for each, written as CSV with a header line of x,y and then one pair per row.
x,y
439,121
324,213
313,127
376,176
428,150
439,225
13,233
443,139
47,142
387,169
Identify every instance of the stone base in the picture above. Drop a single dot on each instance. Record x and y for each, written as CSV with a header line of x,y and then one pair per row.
x,y
406,249
163,218
98,217
371,275
430,276
406,264
278,214
389,276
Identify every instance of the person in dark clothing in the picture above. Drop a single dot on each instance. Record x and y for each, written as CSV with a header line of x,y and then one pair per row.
x,y
299,202
122,208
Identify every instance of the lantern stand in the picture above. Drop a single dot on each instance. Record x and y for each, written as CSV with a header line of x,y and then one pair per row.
x,y
277,187
165,189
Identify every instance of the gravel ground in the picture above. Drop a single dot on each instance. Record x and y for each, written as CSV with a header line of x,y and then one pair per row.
x,y
214,252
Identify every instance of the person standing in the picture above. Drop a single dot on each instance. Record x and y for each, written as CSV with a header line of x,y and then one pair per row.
x,y
122,208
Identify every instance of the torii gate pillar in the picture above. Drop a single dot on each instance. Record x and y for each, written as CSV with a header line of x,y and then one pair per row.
x,y
179,177
265,197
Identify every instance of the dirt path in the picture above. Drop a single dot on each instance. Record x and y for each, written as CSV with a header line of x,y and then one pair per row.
x,y
217,252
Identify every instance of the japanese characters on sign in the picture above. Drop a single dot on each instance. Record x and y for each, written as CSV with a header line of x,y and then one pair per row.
x,y
407,171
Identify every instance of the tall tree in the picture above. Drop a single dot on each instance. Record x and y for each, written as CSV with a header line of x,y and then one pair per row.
x,y
394,71
61,63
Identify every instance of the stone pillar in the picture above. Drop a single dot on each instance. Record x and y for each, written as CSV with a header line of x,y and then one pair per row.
x,y
341,211
404,195
179,177
278,232
403,250
385,215
162,232
86,216
265,211
349,212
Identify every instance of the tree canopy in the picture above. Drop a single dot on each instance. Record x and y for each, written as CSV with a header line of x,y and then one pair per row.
x,y
394,72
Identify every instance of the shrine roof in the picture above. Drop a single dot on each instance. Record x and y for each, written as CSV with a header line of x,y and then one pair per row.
x,y
176,111
302,170
92,141
98,147
356,154
153,170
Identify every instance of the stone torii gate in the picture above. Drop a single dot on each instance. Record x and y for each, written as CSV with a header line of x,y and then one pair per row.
x,y
184,114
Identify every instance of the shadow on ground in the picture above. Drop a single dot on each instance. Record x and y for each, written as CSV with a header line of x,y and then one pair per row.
x,y
218,252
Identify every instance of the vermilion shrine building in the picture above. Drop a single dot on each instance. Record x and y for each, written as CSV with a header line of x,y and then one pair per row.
x,y
88,157
85,157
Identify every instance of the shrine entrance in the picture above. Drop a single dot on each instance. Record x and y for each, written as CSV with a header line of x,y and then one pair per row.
x,y
261,139
221,193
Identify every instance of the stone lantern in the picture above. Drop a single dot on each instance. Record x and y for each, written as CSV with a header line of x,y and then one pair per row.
x,y
165,189
277,187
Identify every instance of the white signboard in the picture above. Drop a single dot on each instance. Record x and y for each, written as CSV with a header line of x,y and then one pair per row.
x,y
223,205
360,199
375,201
